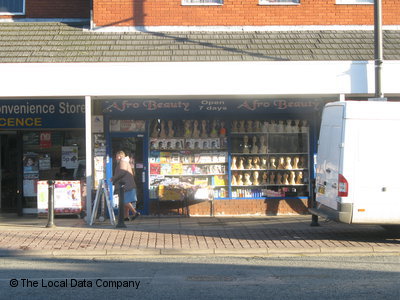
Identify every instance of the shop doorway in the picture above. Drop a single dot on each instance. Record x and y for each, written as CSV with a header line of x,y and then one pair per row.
x,y
9,172
133,146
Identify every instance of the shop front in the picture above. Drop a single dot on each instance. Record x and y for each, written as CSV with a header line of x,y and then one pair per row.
x,y
255,156
40,140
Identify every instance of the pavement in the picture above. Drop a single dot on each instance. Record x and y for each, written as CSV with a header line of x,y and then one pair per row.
x,y
149,236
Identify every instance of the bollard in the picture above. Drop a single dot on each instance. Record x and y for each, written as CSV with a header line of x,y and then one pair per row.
x,y
314,218
314,221
50,210
121,217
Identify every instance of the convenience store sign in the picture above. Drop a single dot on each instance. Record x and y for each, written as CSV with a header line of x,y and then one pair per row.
x,y
216,107
20,114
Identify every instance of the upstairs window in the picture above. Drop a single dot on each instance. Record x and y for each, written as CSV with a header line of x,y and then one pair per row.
x,y
12,7
202,2
278,2
354,1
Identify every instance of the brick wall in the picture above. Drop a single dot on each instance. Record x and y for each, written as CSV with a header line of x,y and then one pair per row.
x,y
55,9
238,13
235,207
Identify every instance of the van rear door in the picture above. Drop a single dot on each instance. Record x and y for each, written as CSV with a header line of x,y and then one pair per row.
x,y
329,155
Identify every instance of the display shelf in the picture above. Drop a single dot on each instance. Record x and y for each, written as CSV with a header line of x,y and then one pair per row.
x,y
193,175
274,154
204,163
264,133
198,161
269,153
208,151
249,154
247,133
269,198
288,185
267,185
247,151
271,170
286,198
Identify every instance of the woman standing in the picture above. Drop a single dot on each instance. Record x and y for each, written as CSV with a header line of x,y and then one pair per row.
x,y
123,174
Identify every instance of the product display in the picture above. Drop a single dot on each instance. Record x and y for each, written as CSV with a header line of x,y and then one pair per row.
x,y
191,152
242,159
276,152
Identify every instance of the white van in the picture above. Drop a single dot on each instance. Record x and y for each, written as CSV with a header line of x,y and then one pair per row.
x,y
358,163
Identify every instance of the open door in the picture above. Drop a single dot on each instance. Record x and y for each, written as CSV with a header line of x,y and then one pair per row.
x,y
134,146
9,161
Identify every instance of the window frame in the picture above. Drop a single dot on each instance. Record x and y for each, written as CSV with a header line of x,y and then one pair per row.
x,y
353,2
15,13
277,2
217,3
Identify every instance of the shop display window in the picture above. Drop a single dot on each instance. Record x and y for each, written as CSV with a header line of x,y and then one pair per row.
x,y
242,159
269,158
189,151
55,155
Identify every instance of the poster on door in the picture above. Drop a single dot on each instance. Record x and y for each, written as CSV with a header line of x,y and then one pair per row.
x,y
45,139
69,157
67,197
31,174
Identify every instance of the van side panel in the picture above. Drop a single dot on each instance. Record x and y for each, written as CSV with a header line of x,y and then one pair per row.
x,y
360,140
329,156
376,180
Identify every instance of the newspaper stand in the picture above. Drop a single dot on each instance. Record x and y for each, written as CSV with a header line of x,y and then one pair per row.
x,y
102,198
173,193
183,194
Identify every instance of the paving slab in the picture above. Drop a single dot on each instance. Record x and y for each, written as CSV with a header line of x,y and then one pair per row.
x,y
270,235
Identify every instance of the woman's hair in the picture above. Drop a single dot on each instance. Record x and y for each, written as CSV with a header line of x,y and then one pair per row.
x,y
120,153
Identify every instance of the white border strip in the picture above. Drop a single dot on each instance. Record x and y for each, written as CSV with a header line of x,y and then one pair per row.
x,y
199,28
237,28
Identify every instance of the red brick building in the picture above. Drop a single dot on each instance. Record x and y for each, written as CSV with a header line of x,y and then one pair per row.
x,y
205,12
240,13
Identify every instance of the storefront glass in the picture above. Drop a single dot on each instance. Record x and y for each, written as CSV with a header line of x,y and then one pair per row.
x,y
246,159
250,149
55,155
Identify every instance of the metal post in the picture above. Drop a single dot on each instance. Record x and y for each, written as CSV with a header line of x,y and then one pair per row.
x,y
314,221
89,157
378,47
121,212
50,210
91,14
314,218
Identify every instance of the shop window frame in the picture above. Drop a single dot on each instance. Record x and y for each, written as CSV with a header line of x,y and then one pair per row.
x,y
279,2
13,13
200,3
